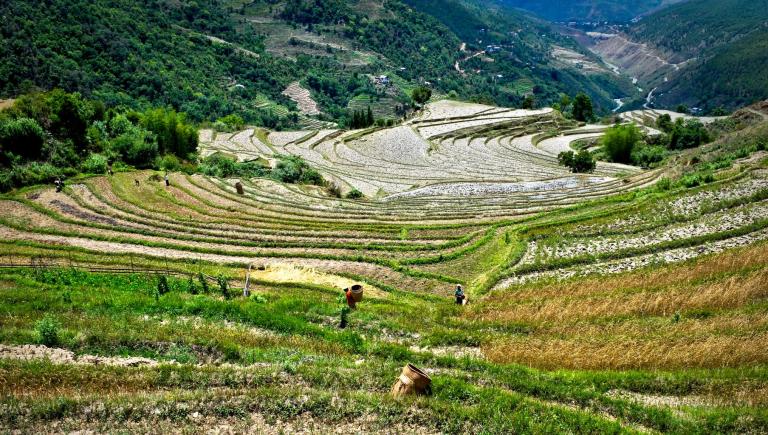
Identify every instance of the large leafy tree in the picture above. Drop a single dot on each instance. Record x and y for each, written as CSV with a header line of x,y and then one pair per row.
x,y
619,141
582,108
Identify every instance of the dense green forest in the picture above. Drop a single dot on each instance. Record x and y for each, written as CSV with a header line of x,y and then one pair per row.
x,y
45,136
696,27
50,135
204,58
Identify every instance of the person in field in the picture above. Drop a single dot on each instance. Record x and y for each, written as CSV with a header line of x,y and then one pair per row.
x,y
459,294
350,300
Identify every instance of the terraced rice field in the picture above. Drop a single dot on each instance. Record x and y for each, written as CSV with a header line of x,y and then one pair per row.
x,y
448,146
597,304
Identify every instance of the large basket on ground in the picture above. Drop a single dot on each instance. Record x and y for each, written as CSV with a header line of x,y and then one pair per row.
x,y
357,292
411,381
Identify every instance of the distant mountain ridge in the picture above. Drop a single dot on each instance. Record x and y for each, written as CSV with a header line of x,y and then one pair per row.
x,y
702,53
589,10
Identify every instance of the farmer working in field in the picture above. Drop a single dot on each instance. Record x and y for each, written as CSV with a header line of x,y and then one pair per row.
x,y
350,299
459,293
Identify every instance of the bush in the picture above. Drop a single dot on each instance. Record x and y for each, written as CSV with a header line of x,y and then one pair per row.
x,y
94,164
664,184
292,169
169,162
697,179
565,158
136,146
48,331
223,286
581,162
648,156
664,123
162,285
229,123
174,134
354,194
191,287
619,141
203,283
688,134
421,95
23,137
31,173
219,165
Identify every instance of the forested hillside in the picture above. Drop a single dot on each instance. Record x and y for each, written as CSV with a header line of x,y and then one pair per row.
x,y
725,44
589,10
212,58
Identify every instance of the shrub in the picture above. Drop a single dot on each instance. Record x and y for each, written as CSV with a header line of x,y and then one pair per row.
x,y
292,169
664,184
619,141
23,137
565,158
48,331
581,162
648,156
688,134
94,164
223,286
664,123
169,162
343,317
174,134
191,287
203,283
219,165
136,146
229,123
162,285
354,194
421,95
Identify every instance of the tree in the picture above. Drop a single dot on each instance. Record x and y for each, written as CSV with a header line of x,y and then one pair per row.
x,y
688,134
681,108
582,108
581,162
421,95
174,134
619,141
529,102
664,123
22,137
565,158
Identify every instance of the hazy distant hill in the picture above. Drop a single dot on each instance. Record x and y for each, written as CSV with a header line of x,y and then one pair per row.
x,y
589,10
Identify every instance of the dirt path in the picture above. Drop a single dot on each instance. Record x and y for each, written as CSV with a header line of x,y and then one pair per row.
x,y
30,352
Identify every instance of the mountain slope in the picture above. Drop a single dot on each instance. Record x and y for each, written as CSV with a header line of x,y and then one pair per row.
x,y
703,53
589,10
211,58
